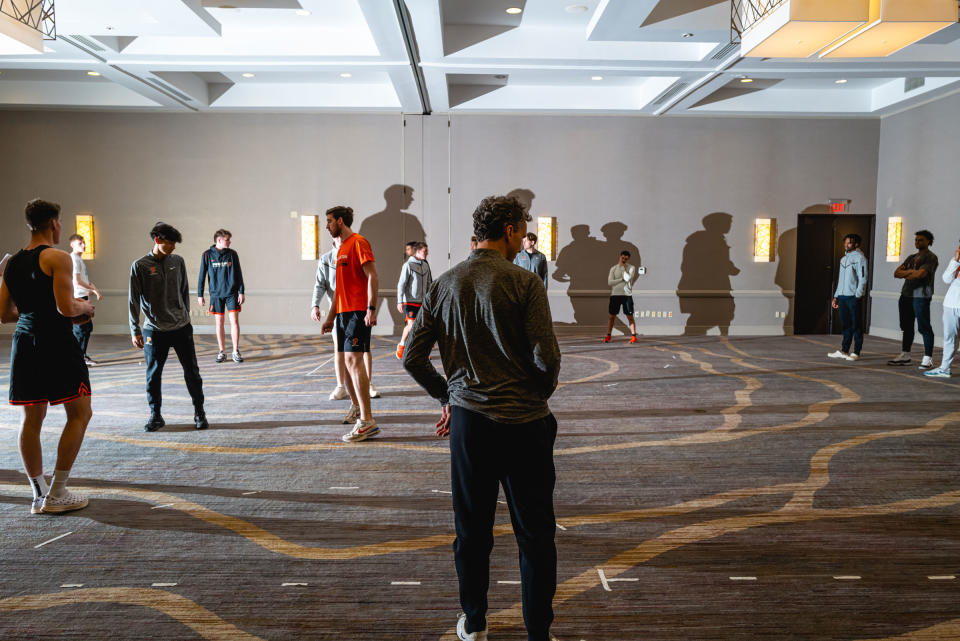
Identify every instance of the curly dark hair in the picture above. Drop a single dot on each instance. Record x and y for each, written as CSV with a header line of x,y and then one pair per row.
x,y
926,234
39,213
163,231
343,213
494,213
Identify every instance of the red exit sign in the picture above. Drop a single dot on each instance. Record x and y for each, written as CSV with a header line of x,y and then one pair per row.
x,y
839,205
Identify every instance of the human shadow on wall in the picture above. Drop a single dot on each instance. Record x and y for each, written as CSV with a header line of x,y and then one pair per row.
x,y
786,273
704,289
584,265
388,231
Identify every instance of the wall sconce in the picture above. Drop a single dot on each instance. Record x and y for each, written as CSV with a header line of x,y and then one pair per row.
x,y
764,234
309,239
85,229
547,236
894,235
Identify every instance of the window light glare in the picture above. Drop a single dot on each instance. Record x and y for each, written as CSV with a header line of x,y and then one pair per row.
x,y
514,10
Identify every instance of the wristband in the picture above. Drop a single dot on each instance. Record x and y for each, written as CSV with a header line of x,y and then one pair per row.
x,y
372,309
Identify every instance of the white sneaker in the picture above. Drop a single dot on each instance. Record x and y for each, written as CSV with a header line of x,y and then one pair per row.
x,y
362,430
462,633
339,393
854,357
902,358
938,372
66,503
353,415
839,354
37,506
374,392
926,363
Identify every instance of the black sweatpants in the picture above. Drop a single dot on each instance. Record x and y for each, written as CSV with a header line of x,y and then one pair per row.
x,y
483,455
156,347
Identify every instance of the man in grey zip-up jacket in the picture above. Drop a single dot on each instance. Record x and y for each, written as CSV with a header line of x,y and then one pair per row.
x,y
621,279
159,288
531,259
415,279
851,285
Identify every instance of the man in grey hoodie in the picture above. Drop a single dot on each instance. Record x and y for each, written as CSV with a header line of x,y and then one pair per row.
x,y
621,279
415,280
531,259
159,289
851,285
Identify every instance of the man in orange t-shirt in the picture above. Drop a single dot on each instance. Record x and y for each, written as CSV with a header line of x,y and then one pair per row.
x,y
354,310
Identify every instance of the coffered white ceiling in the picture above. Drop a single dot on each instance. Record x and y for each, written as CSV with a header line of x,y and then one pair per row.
x,y
593,56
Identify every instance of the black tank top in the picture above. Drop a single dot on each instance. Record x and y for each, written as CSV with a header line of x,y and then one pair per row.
x,y
32,293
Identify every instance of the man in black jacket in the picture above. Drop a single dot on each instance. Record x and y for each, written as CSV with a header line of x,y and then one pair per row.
x,y
226,289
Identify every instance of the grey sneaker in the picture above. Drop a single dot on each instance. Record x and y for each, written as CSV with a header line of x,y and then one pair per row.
x,y
237,358
854,356
902,358
352,416
66,503
362,430
221,357
462,633
937,372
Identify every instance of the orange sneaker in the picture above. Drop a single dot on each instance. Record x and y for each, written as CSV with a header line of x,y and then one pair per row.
x,y
400,351
633,339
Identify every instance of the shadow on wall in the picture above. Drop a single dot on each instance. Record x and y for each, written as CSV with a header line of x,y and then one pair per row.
x,y
786,273
584,265
704,289
388,231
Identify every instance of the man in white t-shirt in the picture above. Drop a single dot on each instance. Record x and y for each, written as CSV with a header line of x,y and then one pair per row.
x,y
82,288
951,317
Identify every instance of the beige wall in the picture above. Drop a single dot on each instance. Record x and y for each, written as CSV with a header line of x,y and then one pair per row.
x,y
918,180
658,177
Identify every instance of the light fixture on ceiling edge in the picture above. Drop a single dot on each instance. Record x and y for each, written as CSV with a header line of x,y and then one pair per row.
x,y
23,32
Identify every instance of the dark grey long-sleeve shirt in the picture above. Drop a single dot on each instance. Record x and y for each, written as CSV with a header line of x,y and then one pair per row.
x,y
492,323
159,288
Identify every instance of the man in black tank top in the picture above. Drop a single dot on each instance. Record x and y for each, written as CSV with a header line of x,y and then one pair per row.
x,y
46,364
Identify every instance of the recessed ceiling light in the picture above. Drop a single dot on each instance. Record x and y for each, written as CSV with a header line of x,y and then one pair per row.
x,y
514,10
247,75
93,73
302,12
596,77
577,8
746,80
346,75
841,81
688,35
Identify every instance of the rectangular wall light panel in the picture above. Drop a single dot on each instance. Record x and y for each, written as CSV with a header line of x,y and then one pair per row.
x,y
894,236
309,237
801,28
893,25
763,233
85,229
547,236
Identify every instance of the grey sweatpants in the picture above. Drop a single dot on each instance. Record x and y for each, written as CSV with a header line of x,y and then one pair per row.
x,y
951,323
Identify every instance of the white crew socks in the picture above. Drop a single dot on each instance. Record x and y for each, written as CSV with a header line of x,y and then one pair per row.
x,y
58,485
39,486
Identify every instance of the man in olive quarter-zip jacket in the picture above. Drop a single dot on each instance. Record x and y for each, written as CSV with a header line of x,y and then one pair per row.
x,y
158,288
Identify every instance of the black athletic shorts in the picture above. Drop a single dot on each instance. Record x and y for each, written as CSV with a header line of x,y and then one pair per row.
x,y
221,304
410,310
616,302
45,369
353,335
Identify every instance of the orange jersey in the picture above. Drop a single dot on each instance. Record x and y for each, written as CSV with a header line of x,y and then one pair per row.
x,y
354,252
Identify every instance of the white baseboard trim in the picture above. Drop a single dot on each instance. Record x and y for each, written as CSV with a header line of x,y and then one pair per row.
x,y
896,335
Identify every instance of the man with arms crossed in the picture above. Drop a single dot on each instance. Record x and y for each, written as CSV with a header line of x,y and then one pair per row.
x,y
492,323
158,287
354,310
951,317
851,285
46,364
917,272
621,279
82,289
415,280
531,259
325,284
226,289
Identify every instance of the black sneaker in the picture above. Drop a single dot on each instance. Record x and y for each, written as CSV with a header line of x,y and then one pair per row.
x,y
200,420
155,423
221,357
